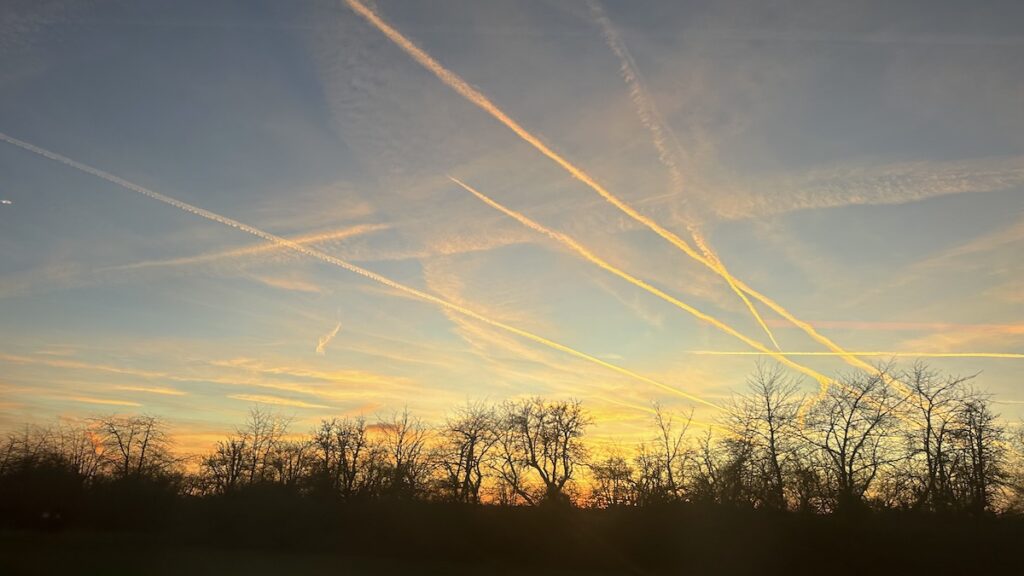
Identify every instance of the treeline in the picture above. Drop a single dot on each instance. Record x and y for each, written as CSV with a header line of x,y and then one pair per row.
x,y
911,440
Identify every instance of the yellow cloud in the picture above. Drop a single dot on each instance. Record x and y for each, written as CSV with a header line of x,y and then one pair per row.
x,y
152,390
90,400
276,400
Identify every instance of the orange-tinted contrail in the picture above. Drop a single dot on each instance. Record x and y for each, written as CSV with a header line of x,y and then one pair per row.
x,y
661,133
323,341
598,261
1004,355
312,252
476,97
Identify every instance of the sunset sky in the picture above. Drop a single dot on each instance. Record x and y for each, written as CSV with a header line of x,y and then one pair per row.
x,y
859,164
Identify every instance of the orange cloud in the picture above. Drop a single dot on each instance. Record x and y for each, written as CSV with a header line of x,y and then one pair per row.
x,y
152,390
276,400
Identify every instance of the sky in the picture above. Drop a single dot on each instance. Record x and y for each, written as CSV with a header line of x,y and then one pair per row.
x,y
521,181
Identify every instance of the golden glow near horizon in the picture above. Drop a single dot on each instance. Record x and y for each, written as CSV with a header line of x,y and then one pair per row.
x,y
615,165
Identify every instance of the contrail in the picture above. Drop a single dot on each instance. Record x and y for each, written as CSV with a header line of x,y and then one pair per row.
x,y
1006,355
661,132
313,253
323,341
597,260
254,250
456,83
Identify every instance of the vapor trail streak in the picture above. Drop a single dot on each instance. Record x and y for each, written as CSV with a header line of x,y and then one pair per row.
x,y
323,341
661,132
456,83
286,243
597,260
257,249
1006,355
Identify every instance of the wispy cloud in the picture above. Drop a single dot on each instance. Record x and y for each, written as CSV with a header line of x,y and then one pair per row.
x,y
153,390
661,136
323,341
245,373
887,326
254,250
348,377
955,340
884,184
101,401
287,283
277,401
79,365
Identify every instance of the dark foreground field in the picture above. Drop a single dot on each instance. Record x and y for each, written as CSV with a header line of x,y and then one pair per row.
x,y
118,554
238,538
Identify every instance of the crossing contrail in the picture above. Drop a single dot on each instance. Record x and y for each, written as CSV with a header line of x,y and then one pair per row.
x,y
314,253
661,134
455,82
585,252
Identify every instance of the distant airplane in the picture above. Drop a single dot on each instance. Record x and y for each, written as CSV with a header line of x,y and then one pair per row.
x,y
6,202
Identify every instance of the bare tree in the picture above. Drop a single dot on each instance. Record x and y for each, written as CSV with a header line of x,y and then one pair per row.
x,y
706,478
613,482
764,425
253,455
935,409
1015,482
225,469
346,462
291,462
546,438
510,467
260,438
80,447
854,428
404,446
75,448
983,442
672,452
135,446
467,438
651,486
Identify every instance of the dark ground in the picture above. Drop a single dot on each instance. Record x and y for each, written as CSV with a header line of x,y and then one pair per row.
x,y
245,537
114,554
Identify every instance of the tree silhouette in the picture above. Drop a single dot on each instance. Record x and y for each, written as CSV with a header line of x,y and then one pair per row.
x,y
854,428
467,438
764,424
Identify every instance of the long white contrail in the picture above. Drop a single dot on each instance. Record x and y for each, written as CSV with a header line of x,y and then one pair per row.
x,y
661,134
313,253
455,82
